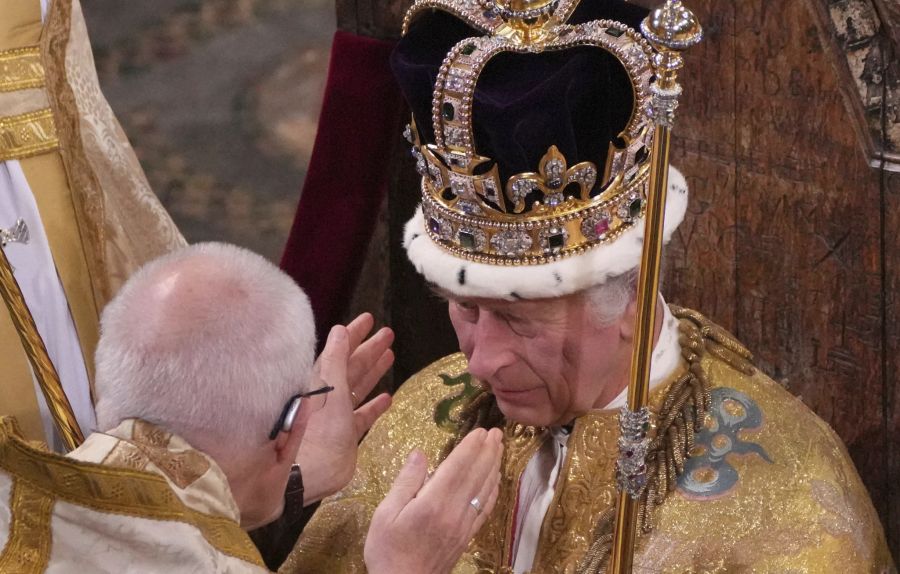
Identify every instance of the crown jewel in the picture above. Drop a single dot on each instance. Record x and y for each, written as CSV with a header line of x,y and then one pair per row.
x,y
561,208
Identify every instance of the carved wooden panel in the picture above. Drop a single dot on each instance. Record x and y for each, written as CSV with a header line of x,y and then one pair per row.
x,y
890,189
703,148
814,201
861,37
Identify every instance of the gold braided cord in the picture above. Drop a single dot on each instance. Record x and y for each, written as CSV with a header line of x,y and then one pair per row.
x,y
28,134
44,371
681,416
21,69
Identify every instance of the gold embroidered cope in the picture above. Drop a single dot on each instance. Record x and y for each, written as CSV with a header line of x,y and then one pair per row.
x,y
796,505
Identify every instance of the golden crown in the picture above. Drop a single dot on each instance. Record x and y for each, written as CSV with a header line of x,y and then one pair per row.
x,y
558,210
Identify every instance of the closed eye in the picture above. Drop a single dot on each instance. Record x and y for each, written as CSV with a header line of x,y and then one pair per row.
x,y
467,311
522,327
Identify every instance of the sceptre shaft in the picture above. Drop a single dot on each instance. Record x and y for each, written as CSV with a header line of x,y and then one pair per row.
x,y
670,29
42,366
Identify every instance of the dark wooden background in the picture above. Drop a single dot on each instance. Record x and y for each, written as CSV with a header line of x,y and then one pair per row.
x,y
791,241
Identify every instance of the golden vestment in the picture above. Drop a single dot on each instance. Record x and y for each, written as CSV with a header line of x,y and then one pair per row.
x,y
769,487
95,206
136,499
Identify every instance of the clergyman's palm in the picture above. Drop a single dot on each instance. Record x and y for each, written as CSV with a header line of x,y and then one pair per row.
x,y
349,362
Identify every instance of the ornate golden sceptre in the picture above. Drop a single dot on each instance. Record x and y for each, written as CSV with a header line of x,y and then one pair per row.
x,y
670,29
44,371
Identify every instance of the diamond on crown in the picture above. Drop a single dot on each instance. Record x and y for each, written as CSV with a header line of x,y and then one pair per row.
x,y
522,188
511,243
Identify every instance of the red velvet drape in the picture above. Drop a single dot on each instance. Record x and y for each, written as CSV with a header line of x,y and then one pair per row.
x,y
347,178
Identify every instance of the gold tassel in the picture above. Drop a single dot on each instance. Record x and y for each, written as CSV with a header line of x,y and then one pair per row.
x,y
682,415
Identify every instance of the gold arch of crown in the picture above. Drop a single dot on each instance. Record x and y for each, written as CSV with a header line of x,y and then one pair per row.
x,y
468,211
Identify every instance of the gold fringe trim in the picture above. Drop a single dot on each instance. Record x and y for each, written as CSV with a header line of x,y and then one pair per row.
x,y
114,491
28,548
21,69
28,134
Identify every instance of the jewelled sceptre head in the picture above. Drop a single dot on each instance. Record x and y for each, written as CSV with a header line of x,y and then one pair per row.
x,y
670,29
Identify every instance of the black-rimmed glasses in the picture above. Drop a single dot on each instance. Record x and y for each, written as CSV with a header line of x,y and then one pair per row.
x,y
292,407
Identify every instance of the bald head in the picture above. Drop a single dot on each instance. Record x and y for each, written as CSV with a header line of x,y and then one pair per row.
x,y
209,342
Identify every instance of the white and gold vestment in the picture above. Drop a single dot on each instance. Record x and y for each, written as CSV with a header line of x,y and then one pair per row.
x,y
68,173
135,499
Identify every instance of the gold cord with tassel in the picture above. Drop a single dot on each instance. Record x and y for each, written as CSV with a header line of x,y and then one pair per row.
x,y
681,416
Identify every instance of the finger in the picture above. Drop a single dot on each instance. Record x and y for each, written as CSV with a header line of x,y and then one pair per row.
x,y
365,357
487,496
359,328
461,473
407,484
489,504
333,360
366,415
485,472
494,447
363,385
480,471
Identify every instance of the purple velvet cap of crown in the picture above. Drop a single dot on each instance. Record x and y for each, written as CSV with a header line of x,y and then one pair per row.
x,y
578,99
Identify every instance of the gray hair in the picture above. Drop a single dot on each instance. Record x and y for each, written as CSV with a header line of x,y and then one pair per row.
x,y
609,300
208,342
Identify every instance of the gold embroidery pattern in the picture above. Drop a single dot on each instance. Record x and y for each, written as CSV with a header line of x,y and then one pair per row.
x,y
490,549
21,69
182,468
28,134
147,434
28,547
116,491
587,490
86,196
122,223
126,455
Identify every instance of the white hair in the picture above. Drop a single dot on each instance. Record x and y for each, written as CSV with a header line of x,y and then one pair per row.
x,y
209,342
609,300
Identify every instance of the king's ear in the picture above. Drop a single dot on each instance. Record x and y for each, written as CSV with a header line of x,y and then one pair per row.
x,y
626,321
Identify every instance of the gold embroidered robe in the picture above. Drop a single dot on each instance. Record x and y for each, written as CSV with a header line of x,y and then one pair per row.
x,y
770,488
136,499
102,220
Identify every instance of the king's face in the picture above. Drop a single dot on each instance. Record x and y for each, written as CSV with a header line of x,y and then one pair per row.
x,y
547,361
